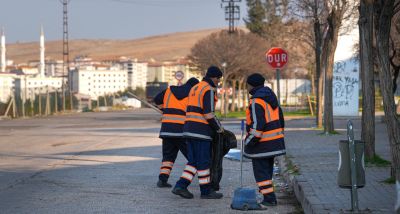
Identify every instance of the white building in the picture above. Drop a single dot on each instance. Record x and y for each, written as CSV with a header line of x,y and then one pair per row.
x,y
165,72
29,86
29,69
98,80
54,68
6,86
137,72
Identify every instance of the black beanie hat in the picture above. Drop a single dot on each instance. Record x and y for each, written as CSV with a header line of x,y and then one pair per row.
x,y
255,80
192,81
213,71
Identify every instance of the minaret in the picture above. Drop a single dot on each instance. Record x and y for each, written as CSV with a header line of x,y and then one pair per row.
x,y
3,51
41,65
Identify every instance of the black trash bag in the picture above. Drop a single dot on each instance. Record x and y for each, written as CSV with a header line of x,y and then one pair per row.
x,y
221,145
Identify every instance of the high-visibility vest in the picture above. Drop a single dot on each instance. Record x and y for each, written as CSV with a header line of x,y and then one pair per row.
x,y
271,136
173,115
271,116
196,124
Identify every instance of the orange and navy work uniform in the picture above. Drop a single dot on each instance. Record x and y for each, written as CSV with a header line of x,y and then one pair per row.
x,y
265,137
200,122
264,125
173,117
199,128
173,102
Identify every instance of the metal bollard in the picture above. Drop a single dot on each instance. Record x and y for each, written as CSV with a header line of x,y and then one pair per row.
x,y
351,170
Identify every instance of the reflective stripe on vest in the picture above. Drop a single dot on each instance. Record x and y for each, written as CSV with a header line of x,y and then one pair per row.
x,y
196,97
171,102
270,115
190,134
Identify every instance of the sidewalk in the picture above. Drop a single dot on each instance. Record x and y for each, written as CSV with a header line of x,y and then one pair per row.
x,y
316,156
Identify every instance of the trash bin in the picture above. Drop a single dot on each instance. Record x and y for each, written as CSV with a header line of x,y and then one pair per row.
x,y
344,173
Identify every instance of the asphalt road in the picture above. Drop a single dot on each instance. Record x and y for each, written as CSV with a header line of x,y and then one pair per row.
x,y
106,162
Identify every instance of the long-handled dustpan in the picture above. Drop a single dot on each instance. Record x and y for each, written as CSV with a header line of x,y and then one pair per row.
x,y
244,198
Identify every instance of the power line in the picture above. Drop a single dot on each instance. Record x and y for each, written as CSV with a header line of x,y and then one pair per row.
x,y
65,55
232,13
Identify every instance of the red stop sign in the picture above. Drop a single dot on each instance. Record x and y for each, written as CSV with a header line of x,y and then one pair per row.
x,y
276,57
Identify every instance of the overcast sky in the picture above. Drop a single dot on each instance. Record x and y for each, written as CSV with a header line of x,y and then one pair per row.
x,y
109,19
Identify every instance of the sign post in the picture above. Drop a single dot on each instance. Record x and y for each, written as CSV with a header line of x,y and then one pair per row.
x,y
277,59
179,75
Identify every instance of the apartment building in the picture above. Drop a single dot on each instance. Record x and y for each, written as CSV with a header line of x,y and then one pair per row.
x,y
166,72
98,80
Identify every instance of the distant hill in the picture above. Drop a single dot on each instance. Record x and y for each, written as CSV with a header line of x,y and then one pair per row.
x,y
162,47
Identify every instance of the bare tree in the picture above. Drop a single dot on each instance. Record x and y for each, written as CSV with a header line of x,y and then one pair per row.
x,y
367,76
241,53
314,11
326,20
383,13
339,11
395,44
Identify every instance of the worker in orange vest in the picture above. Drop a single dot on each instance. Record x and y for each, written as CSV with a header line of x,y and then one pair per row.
x,y
265,137
173,102
200,126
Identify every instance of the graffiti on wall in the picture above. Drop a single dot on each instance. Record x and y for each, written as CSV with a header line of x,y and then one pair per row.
x,y
345,88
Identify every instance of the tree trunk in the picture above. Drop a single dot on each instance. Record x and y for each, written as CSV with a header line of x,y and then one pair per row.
x,y
383,15
245,96
240,93
233,106
330,44
320,98
367,77
287,91
313,90
222,100
226,100
318,79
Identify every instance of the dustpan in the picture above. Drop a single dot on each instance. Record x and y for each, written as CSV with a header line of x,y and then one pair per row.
x,y
244,198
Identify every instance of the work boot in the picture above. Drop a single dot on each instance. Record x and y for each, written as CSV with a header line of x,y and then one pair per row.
x,y
269,203
261,206
163,184
184,193
212,195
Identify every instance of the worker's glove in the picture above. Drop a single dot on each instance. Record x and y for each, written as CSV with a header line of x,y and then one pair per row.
x,y
220,130
252,141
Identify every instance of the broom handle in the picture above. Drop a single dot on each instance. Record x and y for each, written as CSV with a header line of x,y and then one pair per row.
x,y
241,153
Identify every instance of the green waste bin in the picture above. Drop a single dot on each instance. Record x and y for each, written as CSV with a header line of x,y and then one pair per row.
x,y
344,173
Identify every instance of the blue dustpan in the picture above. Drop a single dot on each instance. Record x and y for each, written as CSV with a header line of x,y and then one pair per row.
x,y
244,198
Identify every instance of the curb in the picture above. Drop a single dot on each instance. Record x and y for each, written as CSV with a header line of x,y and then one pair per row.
x,y
309,202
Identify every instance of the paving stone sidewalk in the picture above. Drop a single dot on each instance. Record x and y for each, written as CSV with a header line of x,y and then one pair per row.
x,y
316,156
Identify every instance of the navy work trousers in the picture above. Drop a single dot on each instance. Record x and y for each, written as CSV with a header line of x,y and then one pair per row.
x,y
170,148
263,170
199,157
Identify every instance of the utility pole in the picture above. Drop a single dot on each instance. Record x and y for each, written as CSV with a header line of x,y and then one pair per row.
x,y
65,54
232,13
